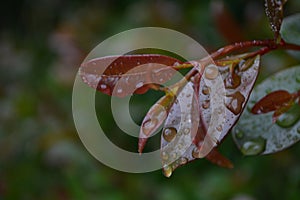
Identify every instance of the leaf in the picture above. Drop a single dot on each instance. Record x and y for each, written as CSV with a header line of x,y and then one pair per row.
x,y
290,31
274,12
256,134
182,140
124,75
279,101
179,129
154,119
245,74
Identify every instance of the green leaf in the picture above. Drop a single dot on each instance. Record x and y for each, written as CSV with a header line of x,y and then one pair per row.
x,y
290,31
257,134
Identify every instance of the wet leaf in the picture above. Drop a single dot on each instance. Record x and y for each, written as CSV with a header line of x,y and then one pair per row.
x,y
179,129
245,74
274,12
154,119
124,75
184,133
276,136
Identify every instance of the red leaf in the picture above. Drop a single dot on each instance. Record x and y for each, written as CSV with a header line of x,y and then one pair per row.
x,y
272,102
124,75
154,119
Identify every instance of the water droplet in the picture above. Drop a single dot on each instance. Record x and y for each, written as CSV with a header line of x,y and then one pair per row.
x,y
119,90
195,152
164,155
167,170
103,86
211,72
219,128
289,118
186,131
183,161
173,155
205,90
180,146
235,104
140,84
148,126
169,134
239,134
254,146
205,104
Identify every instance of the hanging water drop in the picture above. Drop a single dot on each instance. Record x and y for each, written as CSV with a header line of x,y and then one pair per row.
x,y
254,146
169,134
167,170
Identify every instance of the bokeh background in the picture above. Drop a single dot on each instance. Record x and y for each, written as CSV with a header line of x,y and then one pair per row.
x,y
43,42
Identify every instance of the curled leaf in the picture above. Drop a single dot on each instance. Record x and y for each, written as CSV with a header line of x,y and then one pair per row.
x,y
124,75
274,12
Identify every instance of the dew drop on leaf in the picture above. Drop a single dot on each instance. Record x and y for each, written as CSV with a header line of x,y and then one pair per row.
x,y
186,131
195,152
205,90
169,134
254,146
289,118
205,104
183,160
149,125
211,72
164,155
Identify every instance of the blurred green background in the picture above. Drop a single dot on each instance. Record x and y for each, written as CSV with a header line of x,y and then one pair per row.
x,y
42,44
